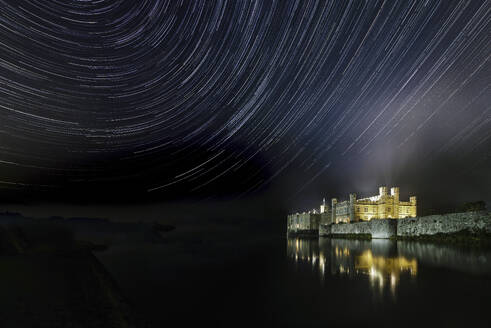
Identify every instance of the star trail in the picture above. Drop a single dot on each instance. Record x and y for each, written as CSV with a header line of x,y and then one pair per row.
x,y
188,98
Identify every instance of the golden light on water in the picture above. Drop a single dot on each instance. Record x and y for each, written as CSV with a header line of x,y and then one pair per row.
x,y
388,266
354,259
380,268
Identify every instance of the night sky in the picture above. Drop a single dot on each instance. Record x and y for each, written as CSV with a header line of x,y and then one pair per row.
x,y
288,101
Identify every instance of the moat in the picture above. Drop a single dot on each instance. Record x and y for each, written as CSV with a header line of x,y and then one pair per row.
x,y
314,282
225,275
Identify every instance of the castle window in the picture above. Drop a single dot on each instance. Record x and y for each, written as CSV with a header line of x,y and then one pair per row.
x,y
366,209
388,209
357,209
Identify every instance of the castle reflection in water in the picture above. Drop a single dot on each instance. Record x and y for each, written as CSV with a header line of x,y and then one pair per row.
x,y
377,259
383,262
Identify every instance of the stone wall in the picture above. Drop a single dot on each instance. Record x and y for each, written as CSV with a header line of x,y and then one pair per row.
x,y
302,233
351,228
413,227
445,223
375,228
383,228
324,230
303,223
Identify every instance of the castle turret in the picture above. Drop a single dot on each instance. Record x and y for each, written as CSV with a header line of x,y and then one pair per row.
x,y
334,201
394,192
323,208
382,191
412,199
352,201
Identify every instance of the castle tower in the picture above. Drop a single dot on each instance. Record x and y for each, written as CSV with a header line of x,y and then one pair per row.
x,y
323,208
414,204
334,201
382,191
352,201
394,192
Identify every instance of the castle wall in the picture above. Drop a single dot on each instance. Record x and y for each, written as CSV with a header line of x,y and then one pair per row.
x,y
325,218
413,227
342,212
307,223
351,228
324,230
383,228
375,228
446,223
325,223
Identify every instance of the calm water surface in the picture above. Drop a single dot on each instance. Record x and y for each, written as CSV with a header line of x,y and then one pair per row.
x,y
280,282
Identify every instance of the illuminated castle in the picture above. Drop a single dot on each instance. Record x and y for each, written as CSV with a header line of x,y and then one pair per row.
x,y
381,206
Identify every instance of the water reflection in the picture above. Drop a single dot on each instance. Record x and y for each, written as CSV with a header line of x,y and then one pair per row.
x,y
383,262
381,269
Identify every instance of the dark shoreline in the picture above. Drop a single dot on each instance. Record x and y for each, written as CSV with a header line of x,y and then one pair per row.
x,y
71,286
77,289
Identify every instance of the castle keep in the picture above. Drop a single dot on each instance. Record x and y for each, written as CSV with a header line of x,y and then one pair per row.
x,y
381,206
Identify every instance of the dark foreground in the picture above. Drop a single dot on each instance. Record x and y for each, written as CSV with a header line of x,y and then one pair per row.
x,y
224,277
